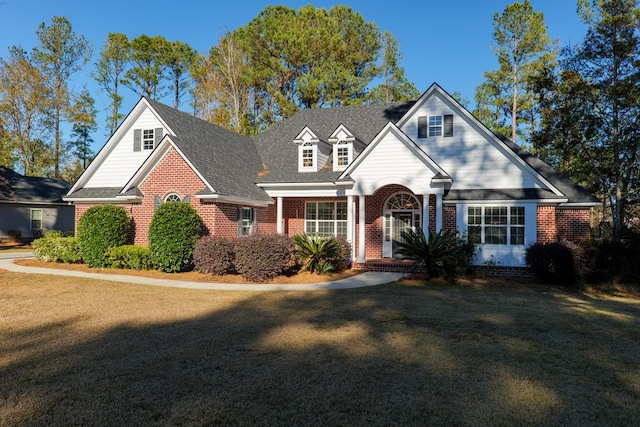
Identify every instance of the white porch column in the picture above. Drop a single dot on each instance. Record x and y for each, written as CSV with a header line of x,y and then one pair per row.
x,y
425,216
279,215
361,229
351,230
438,212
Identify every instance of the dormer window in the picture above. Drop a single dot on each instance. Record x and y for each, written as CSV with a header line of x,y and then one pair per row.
x,y
342,155
307,159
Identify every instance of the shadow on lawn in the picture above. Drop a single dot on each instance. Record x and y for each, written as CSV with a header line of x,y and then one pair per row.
x,y
389,355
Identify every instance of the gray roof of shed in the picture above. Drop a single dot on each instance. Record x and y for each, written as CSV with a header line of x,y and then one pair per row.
x,y
29,189
278,152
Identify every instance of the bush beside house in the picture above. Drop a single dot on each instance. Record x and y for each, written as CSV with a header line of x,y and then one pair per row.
x,y
100,228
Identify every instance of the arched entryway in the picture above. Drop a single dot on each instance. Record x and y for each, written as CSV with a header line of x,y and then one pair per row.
x,y
402,211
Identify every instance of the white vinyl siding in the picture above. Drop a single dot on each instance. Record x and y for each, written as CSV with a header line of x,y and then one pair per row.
x,y
472,159
123,160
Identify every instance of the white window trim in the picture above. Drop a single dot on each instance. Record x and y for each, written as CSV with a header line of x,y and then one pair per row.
x,y
526,227
314,153
31,218
173,197
252,227
342,144
316,221
146,139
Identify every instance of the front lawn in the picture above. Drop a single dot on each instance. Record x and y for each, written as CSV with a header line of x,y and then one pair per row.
x,y
88,352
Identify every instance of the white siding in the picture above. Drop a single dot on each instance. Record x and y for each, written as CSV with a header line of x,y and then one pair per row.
x,y
392,161
470,158
120,165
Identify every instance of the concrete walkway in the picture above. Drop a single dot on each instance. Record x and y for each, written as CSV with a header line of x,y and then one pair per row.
x,y
358,281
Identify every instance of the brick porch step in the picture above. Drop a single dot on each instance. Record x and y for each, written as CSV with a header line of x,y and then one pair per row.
x,y
389,265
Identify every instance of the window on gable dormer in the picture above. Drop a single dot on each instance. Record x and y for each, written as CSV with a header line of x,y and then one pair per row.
x,y
343,154
307,156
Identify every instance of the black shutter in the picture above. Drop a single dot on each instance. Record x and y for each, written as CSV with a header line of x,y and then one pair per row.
x,y
448,125
422,127
137,140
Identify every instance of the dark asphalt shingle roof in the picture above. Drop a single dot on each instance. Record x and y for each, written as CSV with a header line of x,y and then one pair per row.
x,y
280,155
29,189
227,160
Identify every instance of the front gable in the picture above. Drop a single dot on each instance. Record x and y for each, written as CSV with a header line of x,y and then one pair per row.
x,y
126,150
392,158
474,157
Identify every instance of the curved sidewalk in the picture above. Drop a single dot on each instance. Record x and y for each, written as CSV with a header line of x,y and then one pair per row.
x,y
358,281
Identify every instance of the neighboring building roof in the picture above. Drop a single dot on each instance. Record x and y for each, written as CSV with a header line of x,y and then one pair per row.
x,y
227,160
29,189
279,153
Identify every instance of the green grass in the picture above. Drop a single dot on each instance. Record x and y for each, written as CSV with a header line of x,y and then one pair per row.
x,y
84,352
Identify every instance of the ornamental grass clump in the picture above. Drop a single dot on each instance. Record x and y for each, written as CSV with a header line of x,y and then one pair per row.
x,y
175,228
100,228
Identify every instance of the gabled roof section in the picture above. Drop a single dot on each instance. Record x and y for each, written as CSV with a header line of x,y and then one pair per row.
x,y
439,173
556,183
281,160
307,135
341,134
142,104
226,160
17,188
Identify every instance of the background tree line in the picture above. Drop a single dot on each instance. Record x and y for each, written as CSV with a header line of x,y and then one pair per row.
x,y
576,107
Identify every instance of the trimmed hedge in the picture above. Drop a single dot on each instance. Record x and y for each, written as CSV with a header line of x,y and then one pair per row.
x,y
260,257
173,233
130,257
100,228
214,255
55,248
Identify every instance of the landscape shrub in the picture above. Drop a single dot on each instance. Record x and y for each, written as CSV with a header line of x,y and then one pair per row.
x,y
214,255
54,247
260,257
321,254
130,257
557,262
100,228
443,253
174,230
614,261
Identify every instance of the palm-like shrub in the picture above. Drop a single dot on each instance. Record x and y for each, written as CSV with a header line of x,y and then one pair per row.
x,y
442,253
317,253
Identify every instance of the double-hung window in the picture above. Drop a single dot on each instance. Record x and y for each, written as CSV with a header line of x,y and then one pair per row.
x,y
326,218
496,225
433,126
147,139
36,219
246,221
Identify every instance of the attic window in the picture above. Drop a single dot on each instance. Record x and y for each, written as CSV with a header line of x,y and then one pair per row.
x,y
342,155
173,197
147,139
307,157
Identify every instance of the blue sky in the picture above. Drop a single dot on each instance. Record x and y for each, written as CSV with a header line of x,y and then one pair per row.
x,y
448,42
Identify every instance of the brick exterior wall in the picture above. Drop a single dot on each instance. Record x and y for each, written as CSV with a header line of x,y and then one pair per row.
x,y
566,223
173,175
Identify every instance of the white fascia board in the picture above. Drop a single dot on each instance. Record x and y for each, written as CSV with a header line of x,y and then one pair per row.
x,y
505,201
233,200
581,205
91,199
294,185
